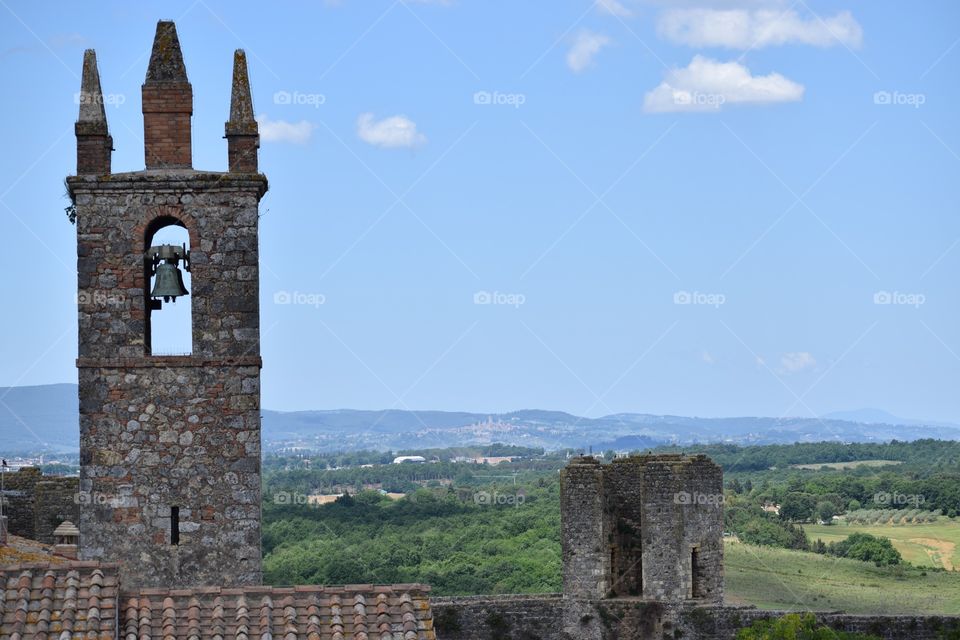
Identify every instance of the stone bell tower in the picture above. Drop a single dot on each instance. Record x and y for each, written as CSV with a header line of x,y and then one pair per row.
x,y
169,444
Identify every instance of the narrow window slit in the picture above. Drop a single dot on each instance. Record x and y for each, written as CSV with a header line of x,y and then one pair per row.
x,y
174,525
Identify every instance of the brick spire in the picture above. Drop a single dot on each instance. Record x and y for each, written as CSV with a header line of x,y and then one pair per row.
x,y
242,133
167,103
94,143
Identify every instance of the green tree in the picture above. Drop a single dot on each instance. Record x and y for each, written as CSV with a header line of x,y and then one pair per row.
x,y
797,506
825,512
868,548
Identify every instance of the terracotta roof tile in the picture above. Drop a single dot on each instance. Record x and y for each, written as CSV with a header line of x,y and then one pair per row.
x,y
82,599
356,612
47,601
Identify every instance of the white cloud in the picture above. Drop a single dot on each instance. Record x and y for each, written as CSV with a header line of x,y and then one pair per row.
x,y
708,357
585,46
614,8
708,85
797,361
283,131
746,29
389,133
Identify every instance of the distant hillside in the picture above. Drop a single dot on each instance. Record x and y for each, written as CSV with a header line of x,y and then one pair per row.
x,y
879,416
44,418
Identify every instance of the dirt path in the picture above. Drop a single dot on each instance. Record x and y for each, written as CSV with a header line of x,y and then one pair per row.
x,y
940,551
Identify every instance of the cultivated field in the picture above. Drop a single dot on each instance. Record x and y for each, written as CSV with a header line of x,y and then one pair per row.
x,y
925,545
853,464
773,578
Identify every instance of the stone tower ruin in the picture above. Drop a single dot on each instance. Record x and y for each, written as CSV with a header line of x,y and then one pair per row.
x,y
648,526
169,444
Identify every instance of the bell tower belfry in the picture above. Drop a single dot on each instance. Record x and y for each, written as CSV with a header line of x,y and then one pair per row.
x,y
169,444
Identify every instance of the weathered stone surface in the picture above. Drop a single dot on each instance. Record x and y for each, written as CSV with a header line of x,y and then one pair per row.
x,y
553,617
645,526
158,432
36,504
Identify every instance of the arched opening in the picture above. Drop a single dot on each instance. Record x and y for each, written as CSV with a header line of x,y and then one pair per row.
x,y
169,319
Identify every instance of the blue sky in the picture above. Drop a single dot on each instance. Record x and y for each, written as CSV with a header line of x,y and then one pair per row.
x,y
715,208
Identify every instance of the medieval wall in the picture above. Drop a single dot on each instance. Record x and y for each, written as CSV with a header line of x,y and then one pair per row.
x,y
35,504
551,617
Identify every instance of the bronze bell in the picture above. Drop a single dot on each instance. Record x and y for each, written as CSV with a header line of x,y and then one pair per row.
x,y
169,282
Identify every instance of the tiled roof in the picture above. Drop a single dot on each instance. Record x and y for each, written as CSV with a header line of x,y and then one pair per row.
x,y
44,601
61,601
354,612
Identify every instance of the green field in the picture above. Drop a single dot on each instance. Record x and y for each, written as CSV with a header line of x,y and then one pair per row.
x,y
924,545
772,578
853,464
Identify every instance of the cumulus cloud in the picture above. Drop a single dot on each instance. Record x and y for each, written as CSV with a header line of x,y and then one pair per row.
x,y
746,29
614,8
708,85
283,131
389,133
796,361
585,46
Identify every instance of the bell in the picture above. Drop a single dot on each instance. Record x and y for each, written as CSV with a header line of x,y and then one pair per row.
x,y
169,282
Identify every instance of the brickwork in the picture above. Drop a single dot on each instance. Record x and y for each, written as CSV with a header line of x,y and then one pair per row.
x,y
167,104
241,131
94,144
170,445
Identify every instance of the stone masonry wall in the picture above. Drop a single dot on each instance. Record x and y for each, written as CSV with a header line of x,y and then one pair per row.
x,y
586,564
35,504
56,501
552,617
158,432
682,511
167,436
623,491
636,528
